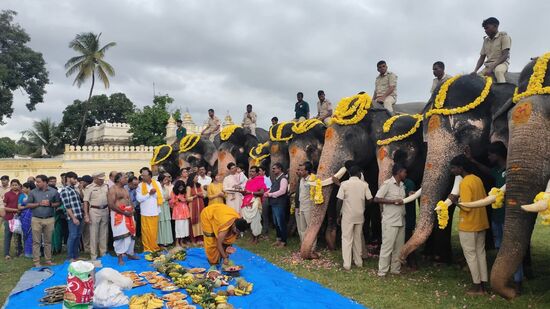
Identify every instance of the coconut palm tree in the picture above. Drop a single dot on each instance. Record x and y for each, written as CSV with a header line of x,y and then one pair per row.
x,y
89,64
42,140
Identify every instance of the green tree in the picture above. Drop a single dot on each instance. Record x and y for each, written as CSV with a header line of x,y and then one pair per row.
x,y
20,66
8,147
89,64
115,108
148,126
42,140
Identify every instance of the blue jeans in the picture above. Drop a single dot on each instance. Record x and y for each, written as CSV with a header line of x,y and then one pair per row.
x,y
497,229
73,242
279,218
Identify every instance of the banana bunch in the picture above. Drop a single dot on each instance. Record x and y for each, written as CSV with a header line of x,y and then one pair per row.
x,y
243,287
220,299
145,301
205,300
180,255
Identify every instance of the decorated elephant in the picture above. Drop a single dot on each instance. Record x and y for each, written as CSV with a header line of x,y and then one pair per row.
x,y
458,115
527,171
279,137
236,144
165,160
352,135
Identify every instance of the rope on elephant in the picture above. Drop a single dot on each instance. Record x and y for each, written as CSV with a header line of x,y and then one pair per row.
x,y
438,107
535,85
352,109
226,132
388,124
259,153
189,142
276,132
302,127
162,151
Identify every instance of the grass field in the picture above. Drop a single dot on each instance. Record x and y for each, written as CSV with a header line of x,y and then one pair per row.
x,y
430,287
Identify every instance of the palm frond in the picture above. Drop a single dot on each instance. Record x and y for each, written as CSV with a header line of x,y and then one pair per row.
x,y
103,76
106,67
106,47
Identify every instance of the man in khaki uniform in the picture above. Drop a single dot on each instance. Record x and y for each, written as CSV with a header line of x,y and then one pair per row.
x,y
353,193
439,73
385,91
249,120
324,108
213,126
495,51
391,195
96,212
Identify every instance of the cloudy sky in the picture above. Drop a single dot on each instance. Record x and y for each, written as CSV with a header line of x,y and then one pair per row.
x,y
226,54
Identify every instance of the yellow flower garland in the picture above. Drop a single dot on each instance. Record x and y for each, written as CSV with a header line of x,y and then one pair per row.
x,y
156,150
387,126
189,142
316,192
442,95
278,137
499,198
545,213
255,153
534,87
442,215
302,127
226,132
356,111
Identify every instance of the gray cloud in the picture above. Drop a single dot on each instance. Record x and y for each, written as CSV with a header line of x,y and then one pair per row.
x,y
225,55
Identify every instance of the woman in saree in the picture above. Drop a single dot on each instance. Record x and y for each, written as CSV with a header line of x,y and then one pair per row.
x,y
195,201
26,218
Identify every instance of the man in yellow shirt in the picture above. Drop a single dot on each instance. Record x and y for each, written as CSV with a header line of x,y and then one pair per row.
x,y
472,223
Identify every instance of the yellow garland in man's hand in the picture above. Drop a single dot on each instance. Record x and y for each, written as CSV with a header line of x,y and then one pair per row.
x,y
356,110
278,136
145,191
189,142
499,195
226,132
387,126
535,85
302,127
316,191
442,215
442,95
155,160
545,213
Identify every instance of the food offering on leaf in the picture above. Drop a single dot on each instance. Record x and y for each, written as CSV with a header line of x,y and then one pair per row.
x,y
136,279
169,289
197,270
242,287
170,267
184,280
154,255
145,301
178,254
149,274
179,304
54,295
232,269
174,296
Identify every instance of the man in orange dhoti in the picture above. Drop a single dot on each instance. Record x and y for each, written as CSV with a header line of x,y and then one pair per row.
x,y
220,225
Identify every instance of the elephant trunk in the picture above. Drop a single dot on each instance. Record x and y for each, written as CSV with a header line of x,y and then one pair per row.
x,y
442,147
335,153
224,158
297,156
279,154
385,164
528,170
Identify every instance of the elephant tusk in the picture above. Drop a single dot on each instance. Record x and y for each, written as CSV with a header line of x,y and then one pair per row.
x,y
413,197
329,181
541,205
456,186
447,202
490,199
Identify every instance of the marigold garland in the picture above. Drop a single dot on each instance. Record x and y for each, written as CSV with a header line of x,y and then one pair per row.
x,y
316,191
156,150
356,110
278,137
387,126
188,142
226,132
442,95
302,127
499,195
442,215
535,85
255,153
545,213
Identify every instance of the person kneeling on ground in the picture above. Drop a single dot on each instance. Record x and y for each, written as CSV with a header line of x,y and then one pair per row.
x,y
220,224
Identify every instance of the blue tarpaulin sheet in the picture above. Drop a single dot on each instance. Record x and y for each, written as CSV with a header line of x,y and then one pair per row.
x,y
273,286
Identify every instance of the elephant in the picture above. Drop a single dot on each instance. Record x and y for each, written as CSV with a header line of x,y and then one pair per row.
x,y
352,135
458,115
165,160
279,137
527,171
235,146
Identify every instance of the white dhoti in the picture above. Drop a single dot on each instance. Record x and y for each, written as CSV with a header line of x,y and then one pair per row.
x,y
123,240
253,215
182,228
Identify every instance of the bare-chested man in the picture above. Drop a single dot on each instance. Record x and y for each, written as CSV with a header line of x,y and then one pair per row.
x,y
122,219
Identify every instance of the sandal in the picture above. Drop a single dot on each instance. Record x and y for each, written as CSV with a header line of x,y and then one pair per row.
x,y
7,257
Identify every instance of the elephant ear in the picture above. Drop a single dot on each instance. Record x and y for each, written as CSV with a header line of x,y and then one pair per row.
x,y
161,153
281,132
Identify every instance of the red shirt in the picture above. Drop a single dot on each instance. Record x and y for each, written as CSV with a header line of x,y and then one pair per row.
x,y
10,201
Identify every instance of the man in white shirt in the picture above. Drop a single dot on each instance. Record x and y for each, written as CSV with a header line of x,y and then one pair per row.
x,y
391,195
149,195
353,194
204,179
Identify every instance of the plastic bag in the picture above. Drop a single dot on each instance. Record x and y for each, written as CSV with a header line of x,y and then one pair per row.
x,y
80,285
108,291
15,225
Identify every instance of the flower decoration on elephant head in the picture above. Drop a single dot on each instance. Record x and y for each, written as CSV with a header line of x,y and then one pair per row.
x,y
351,110
536,81
189,142
226,132
302,127
388,125
161,153
259,153
278,132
